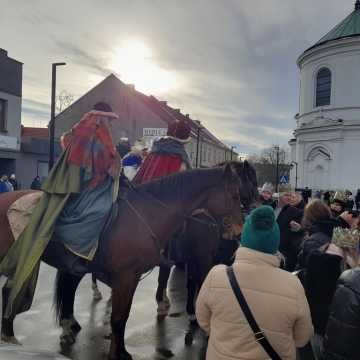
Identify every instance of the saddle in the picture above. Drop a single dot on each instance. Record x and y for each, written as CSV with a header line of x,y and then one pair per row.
x,y
56,254
20,211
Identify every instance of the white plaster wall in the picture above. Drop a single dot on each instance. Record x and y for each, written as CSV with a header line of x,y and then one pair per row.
x,y
13,117
343,59
342,171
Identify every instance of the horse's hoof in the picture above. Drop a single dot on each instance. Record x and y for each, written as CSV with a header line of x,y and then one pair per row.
x,y
75,327
165,352
189,339
123,356
160,318
163,308
67,340
97,296
10,340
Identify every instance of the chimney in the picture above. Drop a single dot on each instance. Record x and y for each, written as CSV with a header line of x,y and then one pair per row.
x,y
187,116
3,52
177,110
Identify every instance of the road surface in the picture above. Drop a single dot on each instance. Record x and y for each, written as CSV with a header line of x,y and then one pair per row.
x,y
146,338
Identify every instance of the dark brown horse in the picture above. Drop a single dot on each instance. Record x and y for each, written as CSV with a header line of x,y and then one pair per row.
x,y
203,245
148,217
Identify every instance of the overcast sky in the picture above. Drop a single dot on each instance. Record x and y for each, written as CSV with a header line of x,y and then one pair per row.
x,y
229,63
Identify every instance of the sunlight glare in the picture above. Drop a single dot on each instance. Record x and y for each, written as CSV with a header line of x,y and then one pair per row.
x,y
134,63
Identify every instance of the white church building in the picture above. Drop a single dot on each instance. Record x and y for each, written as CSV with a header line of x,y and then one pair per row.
x,y
325,150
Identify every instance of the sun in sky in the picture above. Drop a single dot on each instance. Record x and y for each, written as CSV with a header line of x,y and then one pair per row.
x,y
134,62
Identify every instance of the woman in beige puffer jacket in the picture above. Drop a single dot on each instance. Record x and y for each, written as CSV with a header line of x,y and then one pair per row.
x,y
275,297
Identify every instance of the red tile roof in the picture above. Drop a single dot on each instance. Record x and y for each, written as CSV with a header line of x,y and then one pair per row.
x,y
34,132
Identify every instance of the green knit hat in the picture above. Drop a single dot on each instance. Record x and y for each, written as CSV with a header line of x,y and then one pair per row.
x,y
261,231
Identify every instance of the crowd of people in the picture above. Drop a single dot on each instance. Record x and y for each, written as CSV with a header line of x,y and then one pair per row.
x,y
298,270
10,183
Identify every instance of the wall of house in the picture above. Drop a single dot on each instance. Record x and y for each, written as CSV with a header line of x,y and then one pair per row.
x,y
10,139
134,116
30,165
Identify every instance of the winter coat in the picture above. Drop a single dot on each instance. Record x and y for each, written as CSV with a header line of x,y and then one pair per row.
x,y
319,234
323,271
3,187
36,185
343,329
270,202
276,299
14,184
290,241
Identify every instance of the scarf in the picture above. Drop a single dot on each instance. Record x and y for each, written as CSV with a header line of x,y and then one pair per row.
x,y
169,146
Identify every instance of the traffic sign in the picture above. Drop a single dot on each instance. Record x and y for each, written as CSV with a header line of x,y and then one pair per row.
x,y
284,179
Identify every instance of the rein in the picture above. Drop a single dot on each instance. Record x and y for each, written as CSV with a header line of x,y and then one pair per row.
x,y
155,238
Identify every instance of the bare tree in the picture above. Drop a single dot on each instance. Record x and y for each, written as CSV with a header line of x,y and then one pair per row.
x,y
265,164
64,100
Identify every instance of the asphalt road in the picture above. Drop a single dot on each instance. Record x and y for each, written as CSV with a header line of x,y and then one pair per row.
x,y
146,338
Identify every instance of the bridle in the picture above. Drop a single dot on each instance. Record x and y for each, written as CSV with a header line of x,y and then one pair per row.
x,y
185,217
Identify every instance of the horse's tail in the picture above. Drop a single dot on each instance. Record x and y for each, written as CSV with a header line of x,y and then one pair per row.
x,y
59,294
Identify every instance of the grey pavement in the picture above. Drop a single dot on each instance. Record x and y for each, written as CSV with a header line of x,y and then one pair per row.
x,y
146,338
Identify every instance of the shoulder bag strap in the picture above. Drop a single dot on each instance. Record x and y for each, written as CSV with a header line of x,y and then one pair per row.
x,y
259,335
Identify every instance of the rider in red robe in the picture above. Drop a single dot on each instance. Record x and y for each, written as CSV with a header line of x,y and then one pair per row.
x,y
167,155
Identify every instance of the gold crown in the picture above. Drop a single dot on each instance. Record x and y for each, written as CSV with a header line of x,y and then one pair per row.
x,y
346,238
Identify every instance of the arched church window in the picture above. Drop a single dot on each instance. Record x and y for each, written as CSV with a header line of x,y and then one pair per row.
x,y
323,87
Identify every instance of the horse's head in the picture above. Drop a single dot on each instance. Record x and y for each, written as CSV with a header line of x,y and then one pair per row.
x,y
248,189
224,198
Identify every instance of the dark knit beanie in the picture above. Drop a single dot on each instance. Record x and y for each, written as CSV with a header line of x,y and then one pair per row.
x,y
261,231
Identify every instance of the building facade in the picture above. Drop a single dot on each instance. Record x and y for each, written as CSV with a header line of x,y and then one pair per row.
x,y
10,112
326,140
142,116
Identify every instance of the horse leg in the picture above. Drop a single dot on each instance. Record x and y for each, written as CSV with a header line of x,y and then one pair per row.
x,y
122,297
66,286
191,291
7,324
96,292
162,299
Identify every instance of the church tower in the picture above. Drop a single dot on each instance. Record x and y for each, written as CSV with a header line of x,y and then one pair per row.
x,y
326,143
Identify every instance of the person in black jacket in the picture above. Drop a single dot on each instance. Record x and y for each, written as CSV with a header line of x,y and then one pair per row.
x,y
36,184
327,197
289,220
357,200
324,268
341,340
319,226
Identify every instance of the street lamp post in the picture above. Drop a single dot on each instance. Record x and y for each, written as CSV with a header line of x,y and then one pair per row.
x,y
231,152
52,119
277,149
296,172
198,144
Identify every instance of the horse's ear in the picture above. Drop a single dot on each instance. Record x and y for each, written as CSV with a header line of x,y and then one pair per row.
x,y
247,169
229,173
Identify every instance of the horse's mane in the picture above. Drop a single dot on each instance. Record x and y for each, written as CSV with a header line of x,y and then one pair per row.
x,y
183,183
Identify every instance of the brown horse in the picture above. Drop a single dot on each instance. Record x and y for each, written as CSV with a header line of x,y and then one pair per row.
x,y
148,217
202,247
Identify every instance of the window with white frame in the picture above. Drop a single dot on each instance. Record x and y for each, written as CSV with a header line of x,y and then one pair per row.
x,y
323,87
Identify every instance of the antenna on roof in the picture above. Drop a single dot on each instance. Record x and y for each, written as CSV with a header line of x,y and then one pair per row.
x,y
357,5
